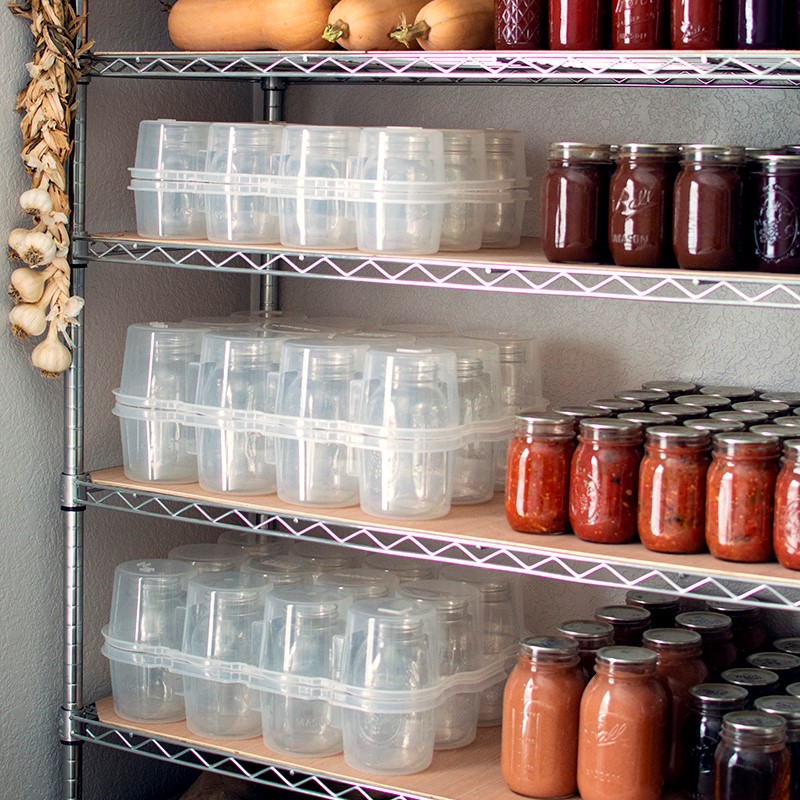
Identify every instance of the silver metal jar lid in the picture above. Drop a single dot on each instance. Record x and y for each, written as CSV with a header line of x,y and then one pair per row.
x,y
711,153
703,621
580,151
647,419
723,695
581,412
623,616
739,416
672,388
585,629
713,426
780,432
617,406
777,662
755,723
548,645
646,396
789,644
676,637
744,676
533,422
767,407
678,434
652,601
711,402
627,655
731,392
678,411
610,429
790,398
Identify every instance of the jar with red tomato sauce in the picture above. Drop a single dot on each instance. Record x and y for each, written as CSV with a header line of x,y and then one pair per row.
x,y
740,491
537,475
786,528
696,24
604,481
638,24
672,489
576,24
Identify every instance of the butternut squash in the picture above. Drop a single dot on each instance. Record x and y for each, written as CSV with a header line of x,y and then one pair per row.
x,y
366,24
450,25
249,24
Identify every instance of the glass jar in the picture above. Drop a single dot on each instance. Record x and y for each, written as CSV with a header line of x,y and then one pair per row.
x,y
537,475
591,636
739,497
789,644
707,207
649,397
640,213
576,24
747,419
759,24
710,402
792,399
672,388
712,426
716,633
518,24
672,489
749,635
756,682
785,665
628,622
575,202
638,24
541,706
789,709
623,723
678,667
708,703
663,608
696,24
604,481
735,394
769,408
752,760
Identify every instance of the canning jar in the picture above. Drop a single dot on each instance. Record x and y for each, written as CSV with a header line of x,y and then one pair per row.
x,y
576,24
623,723
696,24
707,207
518,24
716,634
537,475
789,709
739,497
759,24
752,760
591,636
575,202
769,408
638,24
541,706
640,204
775,203
678,667
708,703
604,481
786,527
672,489
756,682
628,622
749,635
663,608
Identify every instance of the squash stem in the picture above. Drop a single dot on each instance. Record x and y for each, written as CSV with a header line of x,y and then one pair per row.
x,y
405,33
338,30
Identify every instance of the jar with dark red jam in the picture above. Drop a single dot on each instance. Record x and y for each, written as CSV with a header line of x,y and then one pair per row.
x,y
708,704
628,622
749,634
752,760
640,214
672,489
519,24
775,187
708,207
576,24
756,682
590,635
696,24
759,24
575,203
739,497
537,475
789,709
604,481
638,24
785,665
662,607
716,632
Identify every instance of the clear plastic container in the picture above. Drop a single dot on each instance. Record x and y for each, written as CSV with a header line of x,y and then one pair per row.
x,y
458,613
464,160
505,161
147,607
322,558
410,392
361,583
404,567
390,645
279,570
235,370
208,557
340,324
169,209
160,364
420,328
315,382
301,627
222,613
168,144
310,216
252,543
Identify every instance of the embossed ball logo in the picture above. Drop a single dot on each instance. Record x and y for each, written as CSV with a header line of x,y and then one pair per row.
x,y
777,226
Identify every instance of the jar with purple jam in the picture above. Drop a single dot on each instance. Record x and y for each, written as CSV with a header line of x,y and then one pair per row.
x,y
663,608
640,221
575,193
749,634
708,207
716,632
629,623
519,24
590,635
775,187
756,682
759,24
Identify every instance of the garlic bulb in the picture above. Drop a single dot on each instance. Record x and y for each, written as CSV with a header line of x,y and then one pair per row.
x,y
36,202
51,357
27,320
37,249
27,285
15,240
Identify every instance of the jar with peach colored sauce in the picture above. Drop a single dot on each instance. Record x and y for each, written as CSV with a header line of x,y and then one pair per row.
x,y
591,636
541,706
623,723
679,667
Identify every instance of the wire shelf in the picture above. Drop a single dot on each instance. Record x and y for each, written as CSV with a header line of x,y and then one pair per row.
x,y
522,271
734,69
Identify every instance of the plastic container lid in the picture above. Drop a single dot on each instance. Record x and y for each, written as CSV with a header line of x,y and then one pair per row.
x,y
323,557
405,568
360,583
252,543
279,570
208,557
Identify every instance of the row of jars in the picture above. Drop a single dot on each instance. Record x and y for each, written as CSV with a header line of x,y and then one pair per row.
x,y
676,494
693,206
646,719
646,24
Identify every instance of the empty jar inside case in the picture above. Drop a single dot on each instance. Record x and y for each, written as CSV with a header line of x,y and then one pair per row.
x,y
361,583
410,394
208,557
505,161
